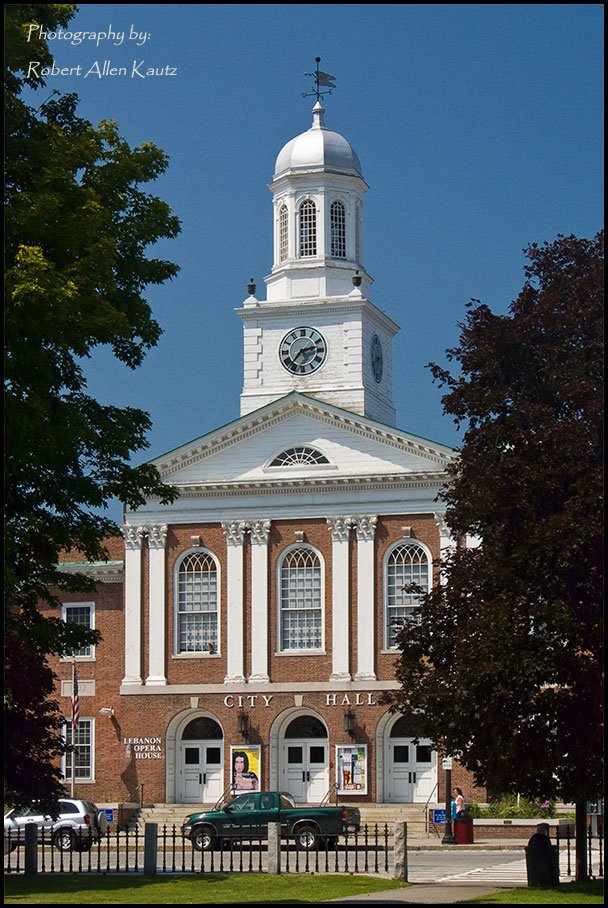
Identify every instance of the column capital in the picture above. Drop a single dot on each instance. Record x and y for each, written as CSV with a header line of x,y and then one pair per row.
x,y
260,531
234,530
133,536
157,536
444,530
365,525
340,528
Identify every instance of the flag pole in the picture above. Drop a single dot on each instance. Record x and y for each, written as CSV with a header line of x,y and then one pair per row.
x,y
73,727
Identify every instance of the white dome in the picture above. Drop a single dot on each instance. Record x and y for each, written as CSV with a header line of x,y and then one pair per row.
x,y
317,148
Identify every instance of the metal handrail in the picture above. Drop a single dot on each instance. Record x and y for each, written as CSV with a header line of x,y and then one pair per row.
x,y
425,808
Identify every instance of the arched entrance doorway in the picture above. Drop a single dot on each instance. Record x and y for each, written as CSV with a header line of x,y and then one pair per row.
x,y
200,762
304,763
411,765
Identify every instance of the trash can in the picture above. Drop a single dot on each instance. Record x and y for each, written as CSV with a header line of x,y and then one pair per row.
x,y
463,828
542,864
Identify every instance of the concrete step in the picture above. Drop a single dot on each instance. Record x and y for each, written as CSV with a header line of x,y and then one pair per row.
x,y
371,814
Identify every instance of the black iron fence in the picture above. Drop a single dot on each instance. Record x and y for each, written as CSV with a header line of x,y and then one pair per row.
x,y
368,851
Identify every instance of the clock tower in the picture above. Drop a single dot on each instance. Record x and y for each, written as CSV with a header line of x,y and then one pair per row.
x,y
318,331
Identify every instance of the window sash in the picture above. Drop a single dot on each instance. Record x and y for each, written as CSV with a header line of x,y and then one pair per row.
x,y
82,757
82,615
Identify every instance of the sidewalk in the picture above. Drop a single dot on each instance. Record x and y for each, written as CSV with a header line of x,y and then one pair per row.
x,y
426,894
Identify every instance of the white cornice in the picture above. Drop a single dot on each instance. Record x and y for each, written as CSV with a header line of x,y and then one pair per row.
x,y
104,571
327,306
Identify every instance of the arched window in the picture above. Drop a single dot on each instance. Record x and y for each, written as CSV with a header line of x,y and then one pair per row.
x,y
407,563
202,729
306,727
302,454
283,233
301,600
308,228
338,230
358,232
197,604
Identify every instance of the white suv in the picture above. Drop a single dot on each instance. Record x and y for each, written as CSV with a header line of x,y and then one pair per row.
x,y
78,825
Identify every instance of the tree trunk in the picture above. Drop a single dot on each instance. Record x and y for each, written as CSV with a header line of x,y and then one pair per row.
x,y
581,841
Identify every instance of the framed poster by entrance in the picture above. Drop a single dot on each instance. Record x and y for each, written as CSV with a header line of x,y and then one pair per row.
x,y
351,768
245,768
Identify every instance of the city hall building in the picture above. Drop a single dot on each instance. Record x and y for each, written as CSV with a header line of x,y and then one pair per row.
x,y
256,617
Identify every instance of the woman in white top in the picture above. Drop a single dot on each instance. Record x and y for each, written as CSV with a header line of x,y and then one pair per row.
x,y
459,798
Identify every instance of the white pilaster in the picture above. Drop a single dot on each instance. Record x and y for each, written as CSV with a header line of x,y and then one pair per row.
x,y
340,535
447,543
260,530
235,661
365,526
134,537
157,536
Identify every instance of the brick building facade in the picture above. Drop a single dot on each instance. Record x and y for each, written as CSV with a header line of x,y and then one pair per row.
x,y
257,614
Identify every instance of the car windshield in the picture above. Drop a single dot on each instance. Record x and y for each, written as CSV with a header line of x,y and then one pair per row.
x,y
243,802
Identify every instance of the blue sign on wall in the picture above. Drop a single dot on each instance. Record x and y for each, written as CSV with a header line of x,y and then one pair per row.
x,y
110,814
439,817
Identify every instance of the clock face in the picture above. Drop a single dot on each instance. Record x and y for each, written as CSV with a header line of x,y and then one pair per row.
x,y
303,351
376,351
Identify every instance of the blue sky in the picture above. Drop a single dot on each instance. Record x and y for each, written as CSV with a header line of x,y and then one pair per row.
x,y
479,129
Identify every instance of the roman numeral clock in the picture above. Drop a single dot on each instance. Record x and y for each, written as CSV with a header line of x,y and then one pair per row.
x,y
303,350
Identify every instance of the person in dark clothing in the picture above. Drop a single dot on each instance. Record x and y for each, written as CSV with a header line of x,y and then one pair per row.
x,y
540,858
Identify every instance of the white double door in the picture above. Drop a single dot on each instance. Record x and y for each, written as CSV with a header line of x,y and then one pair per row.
x,y
305,770
411,771
200,776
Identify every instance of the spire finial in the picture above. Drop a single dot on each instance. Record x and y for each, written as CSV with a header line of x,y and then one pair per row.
x,y
322,80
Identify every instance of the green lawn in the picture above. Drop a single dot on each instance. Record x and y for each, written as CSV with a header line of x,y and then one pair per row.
x,y
252,889
218,888
591,893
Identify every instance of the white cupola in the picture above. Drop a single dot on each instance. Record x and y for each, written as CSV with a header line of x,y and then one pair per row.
x,y
318,216
318,332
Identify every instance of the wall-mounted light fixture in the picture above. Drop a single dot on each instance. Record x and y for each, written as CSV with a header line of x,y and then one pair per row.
x,y
106,711
243,724
349,722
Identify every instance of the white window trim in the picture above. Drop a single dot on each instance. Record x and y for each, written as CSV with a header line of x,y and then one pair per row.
x,y
308,651
197,654
91,606
91,779
414,542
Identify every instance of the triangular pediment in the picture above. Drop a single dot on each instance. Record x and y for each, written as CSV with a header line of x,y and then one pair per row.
x,y
243,451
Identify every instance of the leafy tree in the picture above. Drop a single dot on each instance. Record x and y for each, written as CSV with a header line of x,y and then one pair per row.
x,y
77,227
503,667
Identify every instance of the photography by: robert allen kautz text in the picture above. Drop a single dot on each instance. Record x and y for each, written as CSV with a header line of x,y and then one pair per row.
x,y
102,69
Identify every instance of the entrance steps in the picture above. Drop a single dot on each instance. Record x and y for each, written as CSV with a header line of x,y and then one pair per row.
x,y
170,815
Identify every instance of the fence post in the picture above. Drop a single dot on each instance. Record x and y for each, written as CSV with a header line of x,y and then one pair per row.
x,y
274,848
400,846
31,850
150,848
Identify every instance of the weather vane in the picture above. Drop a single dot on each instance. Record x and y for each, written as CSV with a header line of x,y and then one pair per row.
x,y
322,80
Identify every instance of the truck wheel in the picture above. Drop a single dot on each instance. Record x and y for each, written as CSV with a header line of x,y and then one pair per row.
x,y
203,839
306,838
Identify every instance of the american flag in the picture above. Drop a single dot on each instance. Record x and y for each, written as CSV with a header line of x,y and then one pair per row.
x,y
75,699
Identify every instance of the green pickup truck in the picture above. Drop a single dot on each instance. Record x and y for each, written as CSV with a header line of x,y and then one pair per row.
x,y
247,816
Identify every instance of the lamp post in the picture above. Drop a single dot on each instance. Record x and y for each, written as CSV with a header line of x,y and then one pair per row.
x,y
448,837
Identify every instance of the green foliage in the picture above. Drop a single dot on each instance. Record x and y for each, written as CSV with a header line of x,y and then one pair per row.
x,y
508,808
503,669
78,225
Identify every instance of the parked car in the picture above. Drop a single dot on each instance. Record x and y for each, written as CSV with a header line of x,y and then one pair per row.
x,y
246,816
78,825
